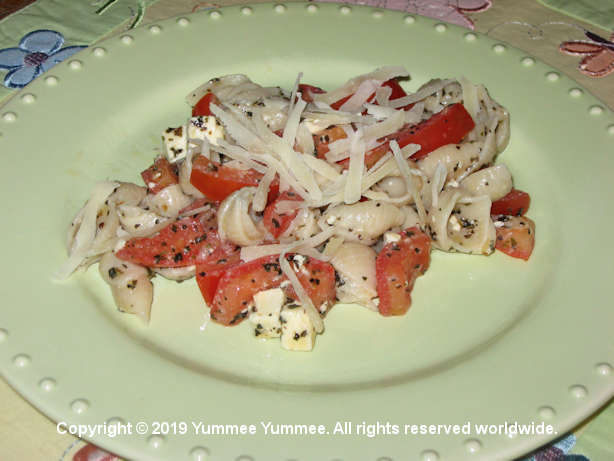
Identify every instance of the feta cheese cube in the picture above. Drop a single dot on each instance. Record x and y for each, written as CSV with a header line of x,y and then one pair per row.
x,y
201,127
297,330
205,127
265,313
175,143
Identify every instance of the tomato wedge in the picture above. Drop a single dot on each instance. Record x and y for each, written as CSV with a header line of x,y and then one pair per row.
x,y
218,181
277,223
515,203
397,267
159,175
202,106
515,235
239,284
449,126
182,243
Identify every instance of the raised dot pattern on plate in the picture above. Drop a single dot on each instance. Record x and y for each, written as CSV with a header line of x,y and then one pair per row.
x,y
79,406
604,369
75,64
28,98
473,445
21,360
199,453
552,76
441,27
183,21
47,384
578,391
280,8
127,39
99,51
155,441
3,334
546,412
429,455
595,110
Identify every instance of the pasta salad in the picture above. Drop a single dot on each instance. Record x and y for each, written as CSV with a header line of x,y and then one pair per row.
x,y
283,203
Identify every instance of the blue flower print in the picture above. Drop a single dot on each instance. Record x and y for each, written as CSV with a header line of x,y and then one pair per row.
x,y
37,52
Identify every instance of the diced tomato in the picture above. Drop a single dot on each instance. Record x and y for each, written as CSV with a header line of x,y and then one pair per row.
x,y
238,285
515,203
397,89
393,84
159,175
319,283
322,139
218,181
307,91
277,223
397,267
202,106
515,235
182,243
210,271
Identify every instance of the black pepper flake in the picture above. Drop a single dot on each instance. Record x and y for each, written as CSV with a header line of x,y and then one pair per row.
x,y
178,257
131,284
112,273
296,336
202,274
174,228
157,258
276,223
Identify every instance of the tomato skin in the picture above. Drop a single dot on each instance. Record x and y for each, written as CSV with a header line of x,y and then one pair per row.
x,y
277,223
323,138
217,181
237,287
307,91
159,175
516,236
210,270
449,126
393,84
397,267
202,106
515,203
181,243
318,282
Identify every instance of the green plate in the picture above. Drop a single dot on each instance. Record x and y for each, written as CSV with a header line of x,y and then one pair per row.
x,y
489,340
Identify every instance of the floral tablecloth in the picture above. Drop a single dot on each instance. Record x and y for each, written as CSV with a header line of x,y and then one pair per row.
x,y
574,36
